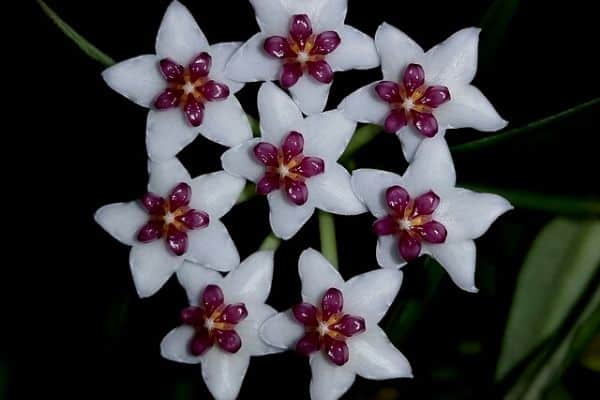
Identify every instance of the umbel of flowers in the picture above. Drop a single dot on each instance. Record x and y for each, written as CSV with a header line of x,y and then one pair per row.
x,y
174,227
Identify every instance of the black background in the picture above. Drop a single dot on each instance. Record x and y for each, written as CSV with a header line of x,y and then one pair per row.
x,y
85,332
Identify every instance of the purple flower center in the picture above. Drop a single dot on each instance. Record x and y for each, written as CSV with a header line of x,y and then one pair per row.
x,y
411,221
214,322
189,88
412,101
171,218
302,51
287,168
327,328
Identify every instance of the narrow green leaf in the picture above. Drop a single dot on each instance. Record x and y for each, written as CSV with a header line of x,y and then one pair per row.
x,y
88,48
361,137
494,26
560,264
328,240
271,242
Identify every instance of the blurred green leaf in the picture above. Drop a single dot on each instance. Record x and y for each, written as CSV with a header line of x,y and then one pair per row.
x,y
591,355
328,239
494,25
560,263
88,48
271,242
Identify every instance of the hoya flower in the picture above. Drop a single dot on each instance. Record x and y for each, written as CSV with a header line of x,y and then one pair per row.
x,y
422,212
176,220
336,326
294,162
424,93
184,86
220,328
302,44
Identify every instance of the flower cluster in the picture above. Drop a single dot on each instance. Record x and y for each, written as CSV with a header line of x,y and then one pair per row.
x,y
190,86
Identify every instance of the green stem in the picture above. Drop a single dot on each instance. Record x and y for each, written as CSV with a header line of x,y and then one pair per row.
x,y
361,137
79,40
271,242
499,137
248,193
328,241
556,204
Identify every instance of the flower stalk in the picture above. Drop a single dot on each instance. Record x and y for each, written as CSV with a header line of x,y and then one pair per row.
x,y
328,238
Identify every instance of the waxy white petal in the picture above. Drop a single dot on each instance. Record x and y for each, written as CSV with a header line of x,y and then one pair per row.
x,y
370,186
410,139
277,113
387,253
248,329
221,54
324,14
139,79
310,94
225,122
329,381
122,220
431,169
317,275
179,37
458,259
251,280
369,295
240,161
396,50
356,51
194,279
282,330
175,345
167,133
224,372
326,135
332,191
365,106
165,176
152,264
216,193
272,16
251,63
212,247
287,218
373,356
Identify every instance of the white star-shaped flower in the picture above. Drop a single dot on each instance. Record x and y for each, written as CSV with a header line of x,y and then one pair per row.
x,y
302,44
177,220
424,93
336,326
294,162
422,212
184,86
220,328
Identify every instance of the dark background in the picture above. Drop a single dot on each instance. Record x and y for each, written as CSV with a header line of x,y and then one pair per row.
x,y
84,332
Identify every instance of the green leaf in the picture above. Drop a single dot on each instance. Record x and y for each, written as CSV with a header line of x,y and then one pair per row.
x,y
271,242
494,26
79,40
591,355
328,240
361,137
560,264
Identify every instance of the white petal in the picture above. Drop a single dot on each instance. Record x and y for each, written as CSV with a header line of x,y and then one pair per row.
x,y
469,108
212,247
251,280
396,50
356,51
152,264
250,63
194,279
431,169
225,122
167,133
240,161
175,346
365,106
331,191
221,54
277,113
373,356
287,218
179,37
282,330
166,175
326,135
458,259
317,275
467,214
216,193
139,79
329,381
387,253
122,220
310,94
370,186
370,294
410,139
324,14
454,60
272,16
224,372
248,329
